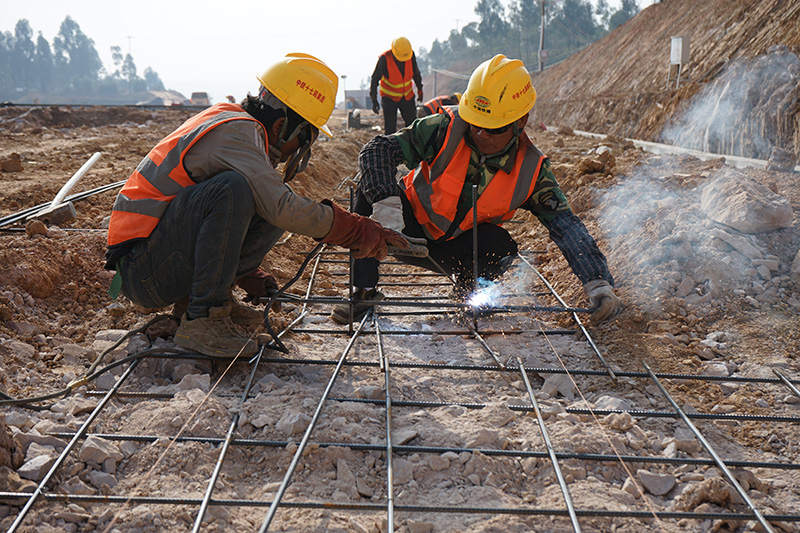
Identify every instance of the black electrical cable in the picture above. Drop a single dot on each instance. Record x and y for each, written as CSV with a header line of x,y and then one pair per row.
x,y
277,344
90,374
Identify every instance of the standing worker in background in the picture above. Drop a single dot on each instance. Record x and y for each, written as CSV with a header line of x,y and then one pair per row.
x,y
207,203
480,142
432,106
395,70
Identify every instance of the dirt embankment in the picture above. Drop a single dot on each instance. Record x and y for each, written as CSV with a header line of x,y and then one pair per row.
x,y
619,84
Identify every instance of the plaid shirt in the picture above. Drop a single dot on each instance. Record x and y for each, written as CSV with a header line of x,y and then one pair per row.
x,y
422,140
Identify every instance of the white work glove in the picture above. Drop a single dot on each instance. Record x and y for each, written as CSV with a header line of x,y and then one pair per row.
x,y
602,299
389,214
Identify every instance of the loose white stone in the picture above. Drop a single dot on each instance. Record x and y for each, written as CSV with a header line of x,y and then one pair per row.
x,y
293,423
97,450
656,484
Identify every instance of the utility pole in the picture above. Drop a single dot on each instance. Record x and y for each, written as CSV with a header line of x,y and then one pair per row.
x,y
541,41
346,111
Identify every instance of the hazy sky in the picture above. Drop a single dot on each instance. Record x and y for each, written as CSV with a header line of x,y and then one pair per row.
x,y
219,47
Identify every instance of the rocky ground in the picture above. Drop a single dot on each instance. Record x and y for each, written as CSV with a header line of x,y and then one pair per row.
x,y
705,257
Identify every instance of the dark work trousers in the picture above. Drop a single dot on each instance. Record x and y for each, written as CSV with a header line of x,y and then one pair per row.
x,y
209,236
495,250
408,110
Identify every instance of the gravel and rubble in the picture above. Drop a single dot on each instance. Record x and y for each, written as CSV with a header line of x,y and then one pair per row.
x,y
706,290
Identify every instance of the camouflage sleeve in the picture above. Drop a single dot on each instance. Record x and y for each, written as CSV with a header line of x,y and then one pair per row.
x,y
567,231
547,199
422,140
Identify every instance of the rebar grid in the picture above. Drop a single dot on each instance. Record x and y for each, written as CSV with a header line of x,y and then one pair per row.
x,y
372,326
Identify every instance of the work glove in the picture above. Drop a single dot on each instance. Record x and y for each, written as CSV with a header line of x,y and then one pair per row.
x,y
363,236
258,284
375,106
389,213
419,95
602,300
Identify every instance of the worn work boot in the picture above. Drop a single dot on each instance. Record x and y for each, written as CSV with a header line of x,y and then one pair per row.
x,y
215,335
341,312
241,315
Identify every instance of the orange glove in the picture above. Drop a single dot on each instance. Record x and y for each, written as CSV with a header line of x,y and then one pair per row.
x,y
364,236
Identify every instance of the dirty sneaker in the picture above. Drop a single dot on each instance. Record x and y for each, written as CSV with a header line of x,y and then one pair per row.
x,y
341,312
215,335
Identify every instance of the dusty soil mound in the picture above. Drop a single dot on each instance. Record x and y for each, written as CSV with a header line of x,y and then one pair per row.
x,y
16,118
618,85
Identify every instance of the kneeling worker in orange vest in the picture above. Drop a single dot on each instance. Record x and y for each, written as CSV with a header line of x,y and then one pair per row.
x,y
394,72
482,141
434,105
207,203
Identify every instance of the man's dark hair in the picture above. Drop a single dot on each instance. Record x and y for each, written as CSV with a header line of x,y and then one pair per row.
x,y
267,115
260,111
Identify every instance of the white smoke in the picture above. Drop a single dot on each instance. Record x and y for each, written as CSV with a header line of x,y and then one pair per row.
x,y
746,111
659,238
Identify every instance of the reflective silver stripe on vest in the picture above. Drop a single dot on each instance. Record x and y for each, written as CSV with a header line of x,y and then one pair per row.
x,y
522,190
158,175
425,190
457,132
145,206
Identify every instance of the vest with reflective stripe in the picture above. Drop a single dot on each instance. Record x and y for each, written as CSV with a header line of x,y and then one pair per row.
x,y
161,175
433,190
397,86
440,101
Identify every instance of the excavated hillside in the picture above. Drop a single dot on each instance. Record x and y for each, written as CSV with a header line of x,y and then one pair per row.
x,y
743,68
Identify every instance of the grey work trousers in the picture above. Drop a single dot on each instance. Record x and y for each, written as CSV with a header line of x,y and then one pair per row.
x,y
208,237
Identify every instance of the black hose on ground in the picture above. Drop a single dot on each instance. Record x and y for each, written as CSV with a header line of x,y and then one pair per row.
x,y
277,344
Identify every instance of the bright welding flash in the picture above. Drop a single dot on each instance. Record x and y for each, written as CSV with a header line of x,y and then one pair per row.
x,y
486,296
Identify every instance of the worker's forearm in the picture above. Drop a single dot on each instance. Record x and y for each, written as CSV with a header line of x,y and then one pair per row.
x,y
578,247
378,163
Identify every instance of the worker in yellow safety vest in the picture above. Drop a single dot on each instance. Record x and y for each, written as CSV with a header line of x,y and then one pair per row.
x,y
471,166
202,209
394,73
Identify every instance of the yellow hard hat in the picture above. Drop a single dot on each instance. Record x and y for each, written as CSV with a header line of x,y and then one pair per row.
x,y
498,93
401,49
305,84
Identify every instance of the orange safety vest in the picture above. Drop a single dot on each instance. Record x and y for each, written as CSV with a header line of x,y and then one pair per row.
x,y
434,190
434,104
161,175
397,86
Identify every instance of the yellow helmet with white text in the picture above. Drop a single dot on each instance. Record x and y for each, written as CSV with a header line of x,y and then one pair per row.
x,y
305,84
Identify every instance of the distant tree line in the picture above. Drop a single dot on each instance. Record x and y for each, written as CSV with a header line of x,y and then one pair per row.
x,y
570,25
70,67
